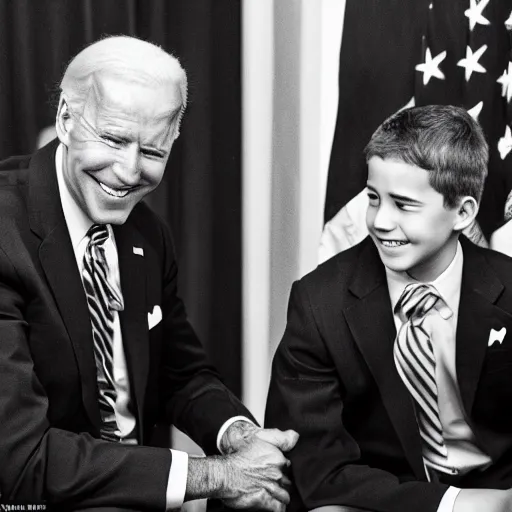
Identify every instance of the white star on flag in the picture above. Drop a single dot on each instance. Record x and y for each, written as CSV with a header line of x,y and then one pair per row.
x,y
470,63
475,111
474,13
505,143
506,82
508,22
430,67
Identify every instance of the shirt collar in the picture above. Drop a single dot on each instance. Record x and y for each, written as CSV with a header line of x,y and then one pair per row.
x,y
447,284
77,221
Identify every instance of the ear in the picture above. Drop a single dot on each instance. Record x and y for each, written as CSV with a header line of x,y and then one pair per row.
x,y
63,121
466,213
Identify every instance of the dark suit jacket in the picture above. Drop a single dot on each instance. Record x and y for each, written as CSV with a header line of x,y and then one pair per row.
x,y
334,380
49,416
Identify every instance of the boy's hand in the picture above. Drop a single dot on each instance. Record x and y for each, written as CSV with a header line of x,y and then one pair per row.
x,y
490,500
241,432
285,441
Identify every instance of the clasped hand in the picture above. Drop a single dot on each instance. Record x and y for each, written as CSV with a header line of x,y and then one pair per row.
x,y
257,469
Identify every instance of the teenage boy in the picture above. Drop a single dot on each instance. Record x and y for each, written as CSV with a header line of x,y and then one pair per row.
x,y
396,362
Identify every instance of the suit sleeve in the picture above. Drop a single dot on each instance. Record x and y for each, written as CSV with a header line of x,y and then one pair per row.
x,y
39,463
305,394
196,400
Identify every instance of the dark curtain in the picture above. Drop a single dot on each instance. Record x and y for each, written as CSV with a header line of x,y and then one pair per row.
x,y
383,42
201,193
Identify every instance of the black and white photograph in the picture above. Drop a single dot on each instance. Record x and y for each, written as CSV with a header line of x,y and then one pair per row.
x,y
256,255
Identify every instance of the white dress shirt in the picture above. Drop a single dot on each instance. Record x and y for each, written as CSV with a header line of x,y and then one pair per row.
x,y
78,223
463,454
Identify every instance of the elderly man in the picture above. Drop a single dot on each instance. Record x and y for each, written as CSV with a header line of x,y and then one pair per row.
x,y
95,347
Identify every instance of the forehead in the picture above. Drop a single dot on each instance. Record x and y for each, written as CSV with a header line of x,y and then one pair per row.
x,y
397,177
125,101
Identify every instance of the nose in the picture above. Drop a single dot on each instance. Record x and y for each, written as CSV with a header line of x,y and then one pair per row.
x,y
381,218
127,168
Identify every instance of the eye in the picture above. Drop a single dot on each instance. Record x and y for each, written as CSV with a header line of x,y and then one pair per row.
x,y
152,153
112,140
373,197
405,206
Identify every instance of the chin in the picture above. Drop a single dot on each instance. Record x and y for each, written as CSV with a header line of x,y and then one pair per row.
x,y
114,218
395,268
117,221
395,265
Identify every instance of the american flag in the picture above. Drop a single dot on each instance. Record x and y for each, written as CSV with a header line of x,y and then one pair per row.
x,y
402,53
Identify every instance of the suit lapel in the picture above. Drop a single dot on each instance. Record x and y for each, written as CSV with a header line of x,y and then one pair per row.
x,y
59,265
134,321
477,315
371,322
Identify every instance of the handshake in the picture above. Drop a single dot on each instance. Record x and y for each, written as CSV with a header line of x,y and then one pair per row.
x,y
251,473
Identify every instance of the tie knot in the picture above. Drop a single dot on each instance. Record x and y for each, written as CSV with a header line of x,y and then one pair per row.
x,y
97,233
416,301
97,271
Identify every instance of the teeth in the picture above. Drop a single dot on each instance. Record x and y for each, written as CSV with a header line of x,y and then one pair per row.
x,y
392,243
113,192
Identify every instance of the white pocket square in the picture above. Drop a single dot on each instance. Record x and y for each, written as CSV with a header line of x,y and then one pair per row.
x,y
138,250
498,336
155,317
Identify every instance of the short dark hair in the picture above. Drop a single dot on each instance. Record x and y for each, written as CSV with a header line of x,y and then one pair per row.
x,y
442,139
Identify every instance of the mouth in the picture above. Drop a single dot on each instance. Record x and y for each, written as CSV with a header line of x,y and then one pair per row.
x,y
392,243
114,192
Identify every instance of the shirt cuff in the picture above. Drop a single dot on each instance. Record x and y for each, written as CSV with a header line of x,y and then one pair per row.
x,y
228,424
448,501
177,483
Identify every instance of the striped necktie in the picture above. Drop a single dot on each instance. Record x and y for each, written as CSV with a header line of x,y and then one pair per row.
x,y
416,364
102,298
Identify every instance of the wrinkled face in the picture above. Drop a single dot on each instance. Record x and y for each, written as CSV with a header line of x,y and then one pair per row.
x,y
118,146
407,220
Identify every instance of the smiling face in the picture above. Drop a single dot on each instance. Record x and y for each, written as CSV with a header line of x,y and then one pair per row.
x,y
117,148
413,231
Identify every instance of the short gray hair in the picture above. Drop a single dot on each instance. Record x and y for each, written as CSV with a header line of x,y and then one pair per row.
x,y
129,57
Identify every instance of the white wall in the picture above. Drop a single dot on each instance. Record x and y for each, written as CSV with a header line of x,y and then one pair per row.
x,y
290,77
257,118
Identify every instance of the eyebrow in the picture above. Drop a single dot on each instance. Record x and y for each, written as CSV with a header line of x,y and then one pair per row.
x,y
126,136
170,114
405,199
399,197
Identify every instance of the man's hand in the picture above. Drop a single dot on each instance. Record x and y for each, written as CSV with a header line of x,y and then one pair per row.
x,y
251,474
257,470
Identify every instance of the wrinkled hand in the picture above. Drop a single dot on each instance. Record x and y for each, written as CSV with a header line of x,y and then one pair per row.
x,y
256,470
